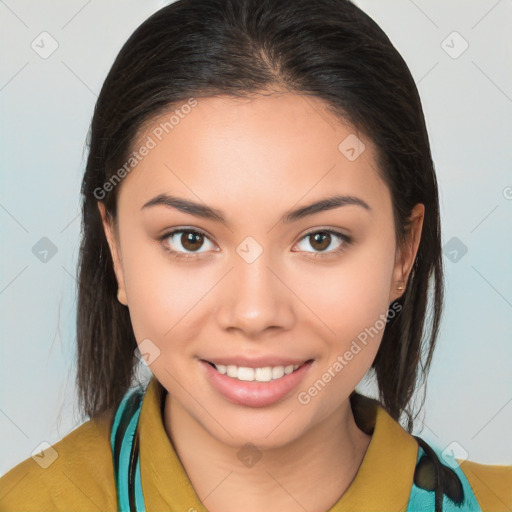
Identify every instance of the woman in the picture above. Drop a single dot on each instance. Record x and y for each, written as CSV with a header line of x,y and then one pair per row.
x,y
261,227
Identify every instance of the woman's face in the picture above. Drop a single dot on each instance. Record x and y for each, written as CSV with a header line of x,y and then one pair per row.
x,y
262,284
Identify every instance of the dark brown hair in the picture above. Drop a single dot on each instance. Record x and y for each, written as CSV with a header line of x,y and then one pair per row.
x,y
329,49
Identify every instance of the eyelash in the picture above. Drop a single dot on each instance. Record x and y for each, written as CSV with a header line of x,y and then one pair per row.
x,y
315,255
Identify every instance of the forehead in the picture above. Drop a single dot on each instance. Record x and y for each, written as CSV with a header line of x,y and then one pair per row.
x,y
262,149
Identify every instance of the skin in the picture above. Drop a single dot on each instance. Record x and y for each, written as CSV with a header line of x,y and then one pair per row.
x,y
241,156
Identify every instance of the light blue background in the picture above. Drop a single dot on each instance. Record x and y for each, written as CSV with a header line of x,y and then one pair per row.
x,y
46,107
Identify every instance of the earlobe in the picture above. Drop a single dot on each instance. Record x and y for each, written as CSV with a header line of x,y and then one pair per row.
x,y
406,254
114,251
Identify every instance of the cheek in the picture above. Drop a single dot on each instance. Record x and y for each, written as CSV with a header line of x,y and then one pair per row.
x,y
350,296
352,300
161,292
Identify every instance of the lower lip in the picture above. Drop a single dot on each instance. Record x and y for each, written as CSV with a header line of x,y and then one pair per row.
x,y
254,394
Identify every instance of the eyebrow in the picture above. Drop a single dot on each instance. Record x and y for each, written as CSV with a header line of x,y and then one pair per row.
x,y
206,212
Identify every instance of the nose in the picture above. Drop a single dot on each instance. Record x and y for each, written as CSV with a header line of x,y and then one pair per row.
x,y
255,299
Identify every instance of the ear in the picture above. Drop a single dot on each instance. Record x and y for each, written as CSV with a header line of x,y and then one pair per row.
x,y
110,234
406,254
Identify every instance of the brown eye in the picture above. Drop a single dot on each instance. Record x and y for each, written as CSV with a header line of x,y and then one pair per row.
x,y
191,241
185,241
324,242
320,241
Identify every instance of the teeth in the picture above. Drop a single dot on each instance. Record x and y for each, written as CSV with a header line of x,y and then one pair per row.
x,y
265,374
277,372
245,373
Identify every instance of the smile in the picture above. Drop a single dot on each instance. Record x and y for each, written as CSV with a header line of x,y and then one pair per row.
x,y
257,386
264,374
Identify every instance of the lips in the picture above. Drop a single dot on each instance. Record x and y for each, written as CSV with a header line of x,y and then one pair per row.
x,y
254,386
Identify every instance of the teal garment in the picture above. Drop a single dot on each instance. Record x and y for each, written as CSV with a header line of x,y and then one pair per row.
x,y
124,440
427,490
436,486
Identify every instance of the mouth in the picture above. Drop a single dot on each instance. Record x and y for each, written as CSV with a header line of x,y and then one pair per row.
x,y
255,386
260,374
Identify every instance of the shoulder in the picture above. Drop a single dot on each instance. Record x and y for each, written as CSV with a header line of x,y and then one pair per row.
x,y
492,484
76,473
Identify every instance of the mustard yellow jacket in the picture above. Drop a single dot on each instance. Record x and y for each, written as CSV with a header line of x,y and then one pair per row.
x,y
79,475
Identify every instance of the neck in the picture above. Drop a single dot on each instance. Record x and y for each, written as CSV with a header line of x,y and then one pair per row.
x,y
228,478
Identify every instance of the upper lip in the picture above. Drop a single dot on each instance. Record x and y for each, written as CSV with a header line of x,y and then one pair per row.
x,y
256,362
